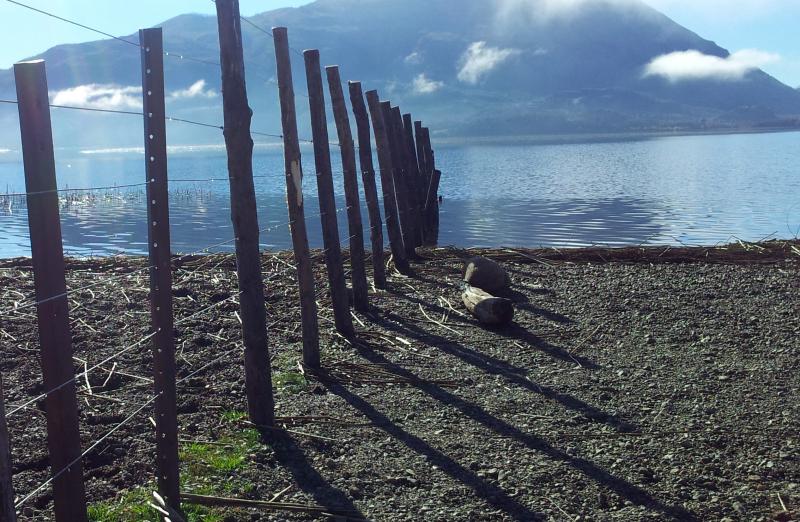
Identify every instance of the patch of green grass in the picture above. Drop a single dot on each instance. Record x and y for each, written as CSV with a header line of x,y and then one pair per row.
x,y
290,381
132,506
202,459
234,415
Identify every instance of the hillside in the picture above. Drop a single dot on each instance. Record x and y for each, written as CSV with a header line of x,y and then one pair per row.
x,y
499,67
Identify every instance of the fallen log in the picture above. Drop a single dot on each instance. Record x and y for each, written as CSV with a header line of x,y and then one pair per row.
x,y
488,309
487,275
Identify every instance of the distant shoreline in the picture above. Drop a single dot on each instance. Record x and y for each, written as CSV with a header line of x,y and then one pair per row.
x,y
572,139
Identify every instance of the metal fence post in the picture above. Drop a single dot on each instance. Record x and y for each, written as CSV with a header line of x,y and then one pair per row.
x,y
155,148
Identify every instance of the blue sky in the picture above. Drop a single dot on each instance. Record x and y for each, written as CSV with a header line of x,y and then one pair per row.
x,y
767,25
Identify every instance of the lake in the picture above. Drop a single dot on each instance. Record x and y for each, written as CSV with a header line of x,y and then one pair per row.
x,y
696,190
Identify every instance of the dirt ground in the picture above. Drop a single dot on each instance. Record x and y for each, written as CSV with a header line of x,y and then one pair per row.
x,y
634,384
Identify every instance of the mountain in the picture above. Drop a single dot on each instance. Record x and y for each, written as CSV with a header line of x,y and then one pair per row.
x,y
466,67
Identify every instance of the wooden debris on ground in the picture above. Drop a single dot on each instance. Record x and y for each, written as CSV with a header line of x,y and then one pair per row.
x,y
490,310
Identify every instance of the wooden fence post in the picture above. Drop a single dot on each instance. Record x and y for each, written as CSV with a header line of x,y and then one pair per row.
x,y
406,182
239,144
432,196
7,512
327,202
387,183
55,339
398,168
295,200
370,187
424,177
355,226
415,179
155,152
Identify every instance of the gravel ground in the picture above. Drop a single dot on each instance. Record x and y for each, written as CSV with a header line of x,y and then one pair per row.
x,y
638,384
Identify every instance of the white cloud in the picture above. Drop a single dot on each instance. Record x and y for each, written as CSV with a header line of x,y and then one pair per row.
x,y
413,59
97,96
120,97
512,13
423,85
694,65
480,59
196,90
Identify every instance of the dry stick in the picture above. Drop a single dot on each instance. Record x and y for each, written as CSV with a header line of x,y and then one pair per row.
x,y
7,512
387,184
327,201
239,145
398,181
295,200
370,187
63,436
356,228
279,506
160,260
414,178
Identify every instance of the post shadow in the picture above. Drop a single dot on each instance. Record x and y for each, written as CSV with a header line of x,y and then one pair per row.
x,y
616,484
291,456
513,331
490,493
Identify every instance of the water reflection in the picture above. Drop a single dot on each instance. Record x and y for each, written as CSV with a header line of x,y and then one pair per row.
x,y
695,190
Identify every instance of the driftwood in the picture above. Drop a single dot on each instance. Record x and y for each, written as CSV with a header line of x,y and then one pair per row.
x,y
487,275
488,309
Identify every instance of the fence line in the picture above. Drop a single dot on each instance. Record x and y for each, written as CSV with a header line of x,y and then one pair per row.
x,y
398,156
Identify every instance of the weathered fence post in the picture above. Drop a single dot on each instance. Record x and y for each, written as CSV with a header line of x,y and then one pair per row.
x,y
295,200
155,152
327,202
415,181
55,339
239,144
424,177
398,166
432,196
406,182
387,183
370,187
355,226
7,512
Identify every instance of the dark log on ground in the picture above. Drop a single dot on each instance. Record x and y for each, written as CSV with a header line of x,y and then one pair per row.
x,y
488,309
487,275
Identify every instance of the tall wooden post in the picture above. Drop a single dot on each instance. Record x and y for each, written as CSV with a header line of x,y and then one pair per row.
x,y
295,201
414,177
327,202
368,178
355,226
407,182
424,176
239,144
155,152
55,339
432,197
398,176
7,512
387,184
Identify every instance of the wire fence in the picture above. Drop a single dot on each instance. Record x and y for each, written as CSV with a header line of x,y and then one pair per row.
x,y
117,357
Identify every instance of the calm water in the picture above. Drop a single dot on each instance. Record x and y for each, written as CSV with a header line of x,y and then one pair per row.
x,y
693,190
